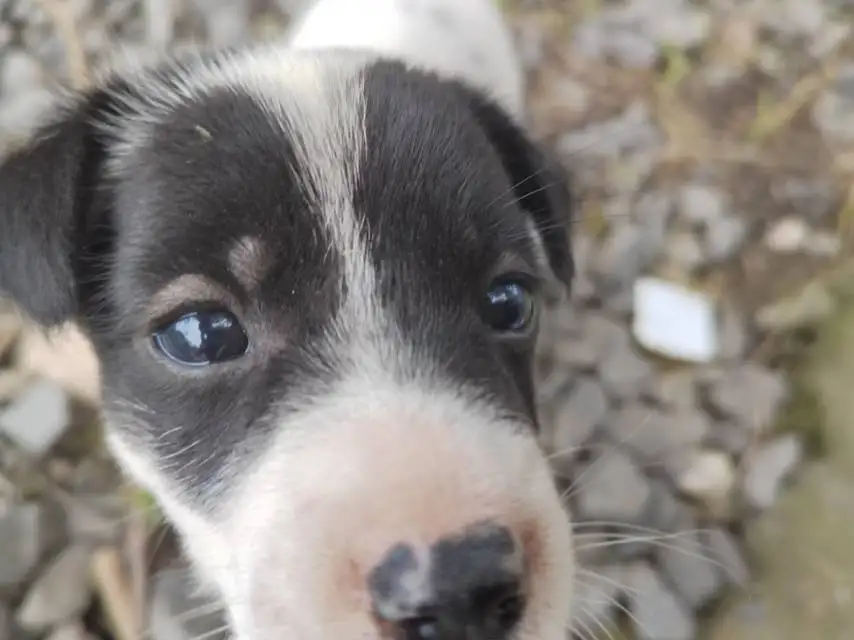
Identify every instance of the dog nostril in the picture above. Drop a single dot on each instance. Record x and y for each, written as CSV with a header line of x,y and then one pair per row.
x,y
420,628
507,609
465,584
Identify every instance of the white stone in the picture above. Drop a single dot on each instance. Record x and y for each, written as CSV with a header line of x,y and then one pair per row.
x,y
787,236
709,477
37,418
673,321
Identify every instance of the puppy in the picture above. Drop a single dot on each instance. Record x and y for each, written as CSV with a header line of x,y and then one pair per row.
x,y
312,274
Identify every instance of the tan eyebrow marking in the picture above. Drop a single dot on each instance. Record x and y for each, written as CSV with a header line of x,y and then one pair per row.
x,y
186,288
248,261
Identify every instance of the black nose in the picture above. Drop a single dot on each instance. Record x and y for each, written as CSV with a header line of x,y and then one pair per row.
x,y
467,587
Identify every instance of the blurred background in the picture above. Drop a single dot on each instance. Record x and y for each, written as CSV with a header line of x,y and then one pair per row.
x,y
708,460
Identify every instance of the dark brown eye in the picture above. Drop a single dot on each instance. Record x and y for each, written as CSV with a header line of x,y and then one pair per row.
x,y
510,306
202,338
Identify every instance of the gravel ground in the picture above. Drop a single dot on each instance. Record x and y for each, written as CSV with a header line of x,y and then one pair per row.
x,y
711,144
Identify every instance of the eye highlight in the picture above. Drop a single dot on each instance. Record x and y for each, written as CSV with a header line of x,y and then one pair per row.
x,y
202,338
510,305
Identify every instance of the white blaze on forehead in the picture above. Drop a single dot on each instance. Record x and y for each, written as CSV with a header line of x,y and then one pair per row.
x,y
317,98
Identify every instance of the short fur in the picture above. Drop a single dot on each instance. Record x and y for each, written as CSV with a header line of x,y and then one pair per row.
x,y
351,210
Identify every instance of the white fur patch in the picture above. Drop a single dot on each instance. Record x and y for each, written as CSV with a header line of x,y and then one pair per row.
x,y
466,39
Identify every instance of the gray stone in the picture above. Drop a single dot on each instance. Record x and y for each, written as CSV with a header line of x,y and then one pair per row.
x,y
19,71
227,21
604,334
808,307
37,418
20,113
625,374
812,198
655,437
703,205
794,18
624,255
663,511
750,394
595,40
685,251
21,530
578,415
690,568
631,131
729,437
675,390
611,488
833,111
179,612
576,353
61,593
768,468
724,550
682,26
72,630
656,612
95,519
653,212
724,238
733,332
594,602
5,622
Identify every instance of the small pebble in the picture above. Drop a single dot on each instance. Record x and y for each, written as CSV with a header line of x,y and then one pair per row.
x,y
685,251
675,390
578,415
808,307
625,374
654,436
37,418
733,334
611,488
673,321
787,235
768,468
702,205
656,612
750,394
690,569
73,630
59,594
6,630
21,531
709,477
724,238
724,550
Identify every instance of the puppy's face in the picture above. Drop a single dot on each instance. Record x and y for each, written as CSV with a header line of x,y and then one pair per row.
x,y
313,281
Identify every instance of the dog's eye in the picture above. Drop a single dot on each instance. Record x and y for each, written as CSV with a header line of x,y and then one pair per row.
x,y
510,306
202,338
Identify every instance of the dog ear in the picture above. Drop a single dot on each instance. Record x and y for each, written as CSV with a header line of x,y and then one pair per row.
x,y
541,184
47,190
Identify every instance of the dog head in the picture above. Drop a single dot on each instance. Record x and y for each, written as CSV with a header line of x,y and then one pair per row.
x,y
313,283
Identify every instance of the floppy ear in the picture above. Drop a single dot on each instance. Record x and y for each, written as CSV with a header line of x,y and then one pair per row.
x,y
47,191
540,182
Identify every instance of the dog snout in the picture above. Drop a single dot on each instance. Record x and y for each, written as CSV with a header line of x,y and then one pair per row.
x,y
465,587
